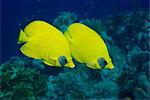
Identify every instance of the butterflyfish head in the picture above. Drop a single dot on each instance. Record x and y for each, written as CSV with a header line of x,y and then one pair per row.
x,y
64,62
105,64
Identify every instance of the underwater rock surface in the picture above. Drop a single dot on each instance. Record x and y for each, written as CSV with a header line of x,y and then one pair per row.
x,y
127,38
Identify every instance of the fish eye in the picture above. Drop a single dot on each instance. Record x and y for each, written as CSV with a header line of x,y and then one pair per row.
x,y
105,63
102,62
62,60
65,60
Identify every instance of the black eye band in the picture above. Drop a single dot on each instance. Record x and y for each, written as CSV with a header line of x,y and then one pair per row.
x,y
102,62
105,63
62,60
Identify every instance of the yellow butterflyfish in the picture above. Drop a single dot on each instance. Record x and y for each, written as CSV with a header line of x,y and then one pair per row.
x,y
44,41
88,47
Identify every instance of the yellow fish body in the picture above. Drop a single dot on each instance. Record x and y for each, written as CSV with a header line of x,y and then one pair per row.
x,y
45,42
87,46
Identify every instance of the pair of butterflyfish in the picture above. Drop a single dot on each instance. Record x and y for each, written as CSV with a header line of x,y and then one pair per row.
x,y
45,42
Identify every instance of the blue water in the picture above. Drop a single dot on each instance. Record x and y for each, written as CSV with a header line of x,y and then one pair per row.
x,y
15,14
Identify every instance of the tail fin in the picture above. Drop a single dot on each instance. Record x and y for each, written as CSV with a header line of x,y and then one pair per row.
x,y
22,37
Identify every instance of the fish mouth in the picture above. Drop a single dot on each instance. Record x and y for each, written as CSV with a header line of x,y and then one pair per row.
x,y
110,65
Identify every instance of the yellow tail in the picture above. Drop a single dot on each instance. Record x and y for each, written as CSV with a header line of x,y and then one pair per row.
x,y
22,37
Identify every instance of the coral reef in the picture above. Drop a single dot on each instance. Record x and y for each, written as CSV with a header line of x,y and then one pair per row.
x,y
20,82
80,84
129,29
130,32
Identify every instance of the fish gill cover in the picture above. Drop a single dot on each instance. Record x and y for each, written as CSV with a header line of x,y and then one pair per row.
x,y
127,38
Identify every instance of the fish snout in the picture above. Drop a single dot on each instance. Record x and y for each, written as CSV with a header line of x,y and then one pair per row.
x,y
70,64
110,65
